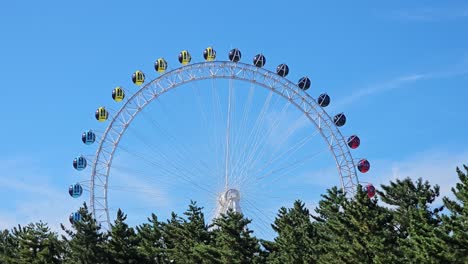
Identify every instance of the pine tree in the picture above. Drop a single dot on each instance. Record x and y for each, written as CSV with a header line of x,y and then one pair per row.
x,y
421,238
86,243
173,236
296,238
122,243
457,221
188,240
151,245
369,230
405,195
8,247
331,233
199,236
36,244
234,239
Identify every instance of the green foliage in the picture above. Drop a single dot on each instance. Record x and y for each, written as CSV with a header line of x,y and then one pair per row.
x,y
296,236
36,244
420,235
188,240
407,196
331,232
151,246
8,247
86,243
369,231
406,228
457,222
233,239
122,243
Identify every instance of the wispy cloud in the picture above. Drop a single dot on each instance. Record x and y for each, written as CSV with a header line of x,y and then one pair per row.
x,y
380,88
30,195
460,69
144,192
435,166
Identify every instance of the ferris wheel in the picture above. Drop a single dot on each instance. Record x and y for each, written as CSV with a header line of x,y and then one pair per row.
x,y
232,131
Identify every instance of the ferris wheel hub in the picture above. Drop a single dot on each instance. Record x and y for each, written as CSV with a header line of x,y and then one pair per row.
x,y
228,200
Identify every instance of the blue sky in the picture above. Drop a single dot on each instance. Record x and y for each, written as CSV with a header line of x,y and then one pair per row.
x,y
398,70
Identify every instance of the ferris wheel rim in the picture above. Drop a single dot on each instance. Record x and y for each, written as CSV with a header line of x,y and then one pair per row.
x,y
336,136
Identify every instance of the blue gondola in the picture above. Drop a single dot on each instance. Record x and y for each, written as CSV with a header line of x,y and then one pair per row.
x,y
75,190
88,137
80,163
74,217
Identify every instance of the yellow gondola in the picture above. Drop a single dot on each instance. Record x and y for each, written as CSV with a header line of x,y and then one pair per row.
x,y
184,57
160,65
118,94
209,54
138,78
101,114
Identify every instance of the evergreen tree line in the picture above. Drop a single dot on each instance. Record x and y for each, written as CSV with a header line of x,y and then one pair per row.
x,y
399,225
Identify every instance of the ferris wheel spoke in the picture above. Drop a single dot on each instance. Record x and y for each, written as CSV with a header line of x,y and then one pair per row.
x,y
262,212
260,196
277,158
162,178
261,220
219,143
181,150
200,105
228,130
288,153
255,132
290,166
173,163
129,189
242,128
258,225
176,163
169,171
259,148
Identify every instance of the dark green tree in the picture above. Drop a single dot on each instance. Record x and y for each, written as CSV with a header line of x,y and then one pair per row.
x,y
331,233
86,243
151,245
457,221
296,238
8,247
234,240
36,244
406,195
369,230
421,238
188,240
122,242
198,234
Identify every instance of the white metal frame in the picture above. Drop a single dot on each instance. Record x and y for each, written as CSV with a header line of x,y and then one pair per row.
x,y
217,70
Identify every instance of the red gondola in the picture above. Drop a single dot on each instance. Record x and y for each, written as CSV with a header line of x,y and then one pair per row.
x,y
363,166
370,190
354,142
